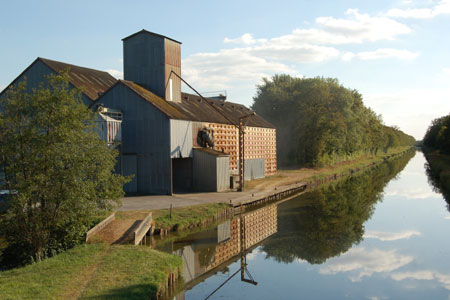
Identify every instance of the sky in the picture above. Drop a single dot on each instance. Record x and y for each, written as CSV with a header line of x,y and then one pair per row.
x,y
395,53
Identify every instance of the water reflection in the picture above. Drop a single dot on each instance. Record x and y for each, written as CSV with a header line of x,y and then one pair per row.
x,y
231,240
327,222
304,244
437,184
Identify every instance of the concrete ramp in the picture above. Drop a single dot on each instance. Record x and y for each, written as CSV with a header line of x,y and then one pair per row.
x,y
120,230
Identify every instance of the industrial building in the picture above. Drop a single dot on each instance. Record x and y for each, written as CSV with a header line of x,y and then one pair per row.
x,y
169,140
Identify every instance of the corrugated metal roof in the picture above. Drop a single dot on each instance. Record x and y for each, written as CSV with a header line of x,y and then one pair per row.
x,y
161,104
91,82
211,151
152,33
198,110
193,108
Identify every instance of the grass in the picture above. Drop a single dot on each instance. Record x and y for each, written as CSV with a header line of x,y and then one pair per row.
x,y
285,177
130,272
50,278
94,271
182,217
185,217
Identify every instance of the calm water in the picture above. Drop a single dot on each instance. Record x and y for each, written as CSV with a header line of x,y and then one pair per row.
x,y
380,235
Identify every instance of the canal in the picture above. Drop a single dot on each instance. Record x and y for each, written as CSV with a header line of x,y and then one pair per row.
x,y
383,234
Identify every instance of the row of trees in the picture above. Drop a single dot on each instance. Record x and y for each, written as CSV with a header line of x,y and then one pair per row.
x,y
320,122
438,135
58,173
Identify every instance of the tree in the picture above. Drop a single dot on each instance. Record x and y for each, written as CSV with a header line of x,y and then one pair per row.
x,y
320,122
58,172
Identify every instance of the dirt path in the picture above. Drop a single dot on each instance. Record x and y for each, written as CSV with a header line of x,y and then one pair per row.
x,y
82,279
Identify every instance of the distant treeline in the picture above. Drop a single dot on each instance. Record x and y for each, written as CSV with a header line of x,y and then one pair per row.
x,y
320,122
437,136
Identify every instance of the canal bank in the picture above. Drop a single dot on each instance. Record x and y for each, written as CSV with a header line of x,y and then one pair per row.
x,y
302,232
95,268
200,209
285,183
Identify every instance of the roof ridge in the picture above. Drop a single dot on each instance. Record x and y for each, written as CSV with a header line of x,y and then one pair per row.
x,y
43,59
152,33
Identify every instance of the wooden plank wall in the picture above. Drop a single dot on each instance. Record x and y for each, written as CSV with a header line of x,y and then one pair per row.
x,y
172,58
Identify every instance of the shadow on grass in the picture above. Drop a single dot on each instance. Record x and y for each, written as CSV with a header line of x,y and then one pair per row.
x,y
133,292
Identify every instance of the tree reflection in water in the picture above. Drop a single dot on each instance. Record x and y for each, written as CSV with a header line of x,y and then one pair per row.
x,y
326,222
437,183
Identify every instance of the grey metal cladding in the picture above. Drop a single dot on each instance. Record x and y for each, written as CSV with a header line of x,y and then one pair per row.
x,y
254,168
143,61
146,133
181,138
36,74
211,170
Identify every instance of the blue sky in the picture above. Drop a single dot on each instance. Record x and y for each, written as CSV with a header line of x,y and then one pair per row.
x,y
395,53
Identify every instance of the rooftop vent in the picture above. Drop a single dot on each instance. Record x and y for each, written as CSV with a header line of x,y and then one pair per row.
x,y
216,95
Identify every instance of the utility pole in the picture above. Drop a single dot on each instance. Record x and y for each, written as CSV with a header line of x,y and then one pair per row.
x,y
242,151
240,127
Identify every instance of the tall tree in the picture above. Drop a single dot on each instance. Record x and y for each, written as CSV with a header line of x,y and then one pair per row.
x,y
58,172
320,122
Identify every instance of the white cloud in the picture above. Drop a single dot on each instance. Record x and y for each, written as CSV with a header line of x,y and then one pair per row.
x,y
413,193
365,262
262,57
246,39
442,8
443,279
295,53
412,109
230,68
446,71
418,275
348,56
390,236
363,27
355,29
381,53
447,217
115,73
254,254
387,53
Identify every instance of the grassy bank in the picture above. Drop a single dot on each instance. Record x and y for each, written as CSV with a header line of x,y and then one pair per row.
x,y
439,171
186,217
96,271
100,271
180,218
285,177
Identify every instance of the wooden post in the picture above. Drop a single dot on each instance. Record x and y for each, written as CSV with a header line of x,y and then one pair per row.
x,y
241,155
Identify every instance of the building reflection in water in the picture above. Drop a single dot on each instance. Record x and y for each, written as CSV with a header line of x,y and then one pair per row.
x,y
207,252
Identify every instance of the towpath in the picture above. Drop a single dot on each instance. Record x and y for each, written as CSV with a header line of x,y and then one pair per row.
x,y
257,189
